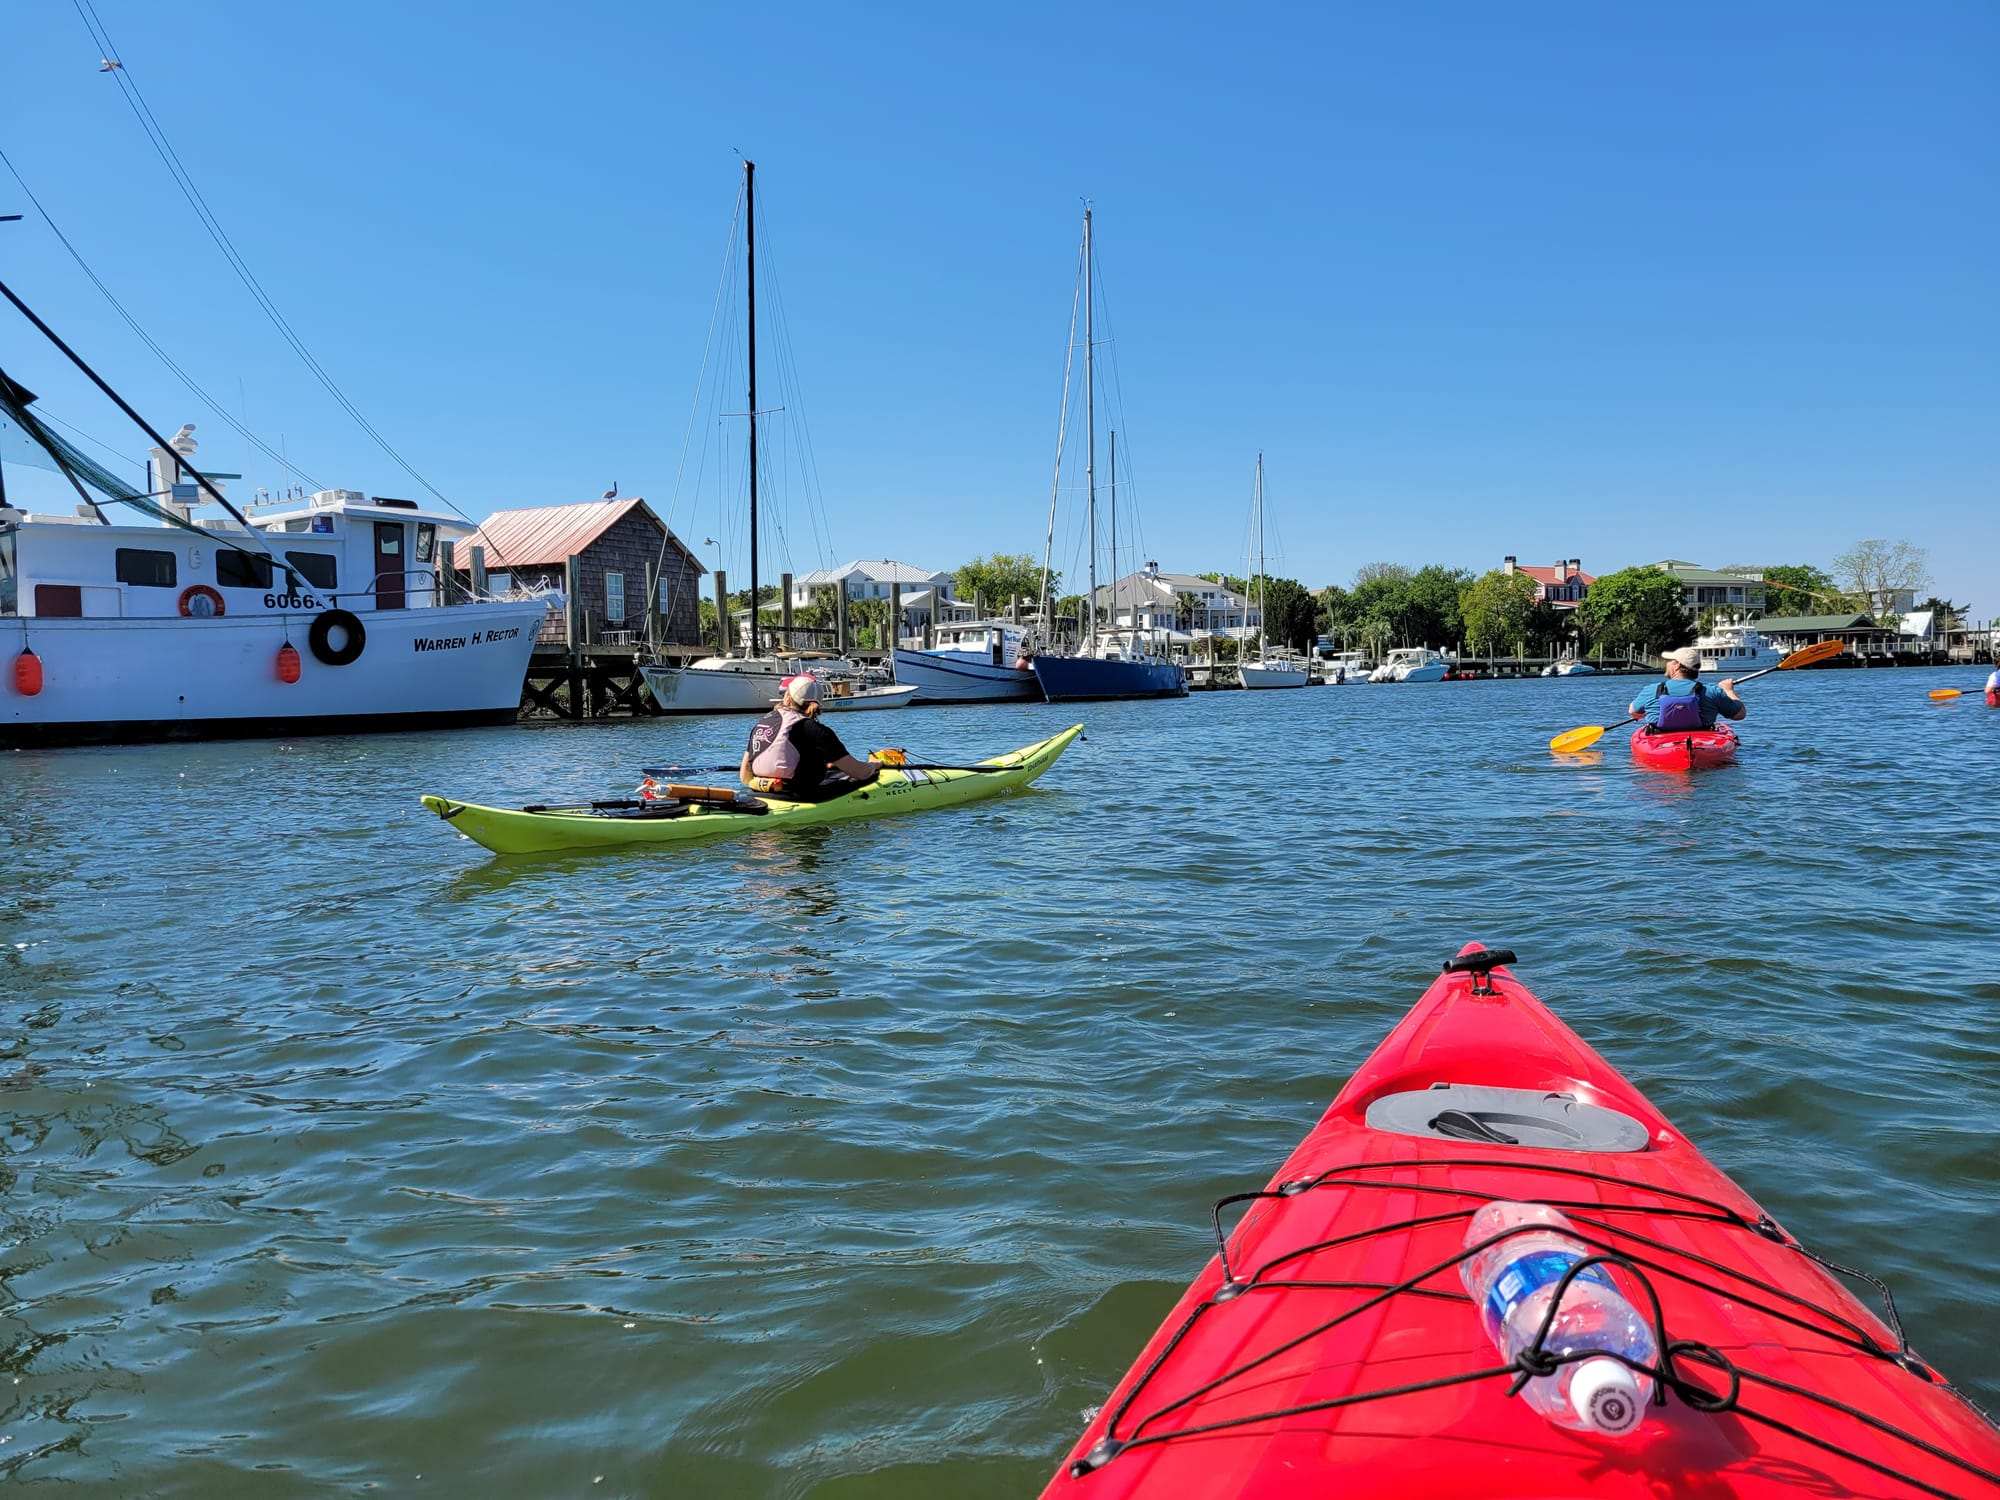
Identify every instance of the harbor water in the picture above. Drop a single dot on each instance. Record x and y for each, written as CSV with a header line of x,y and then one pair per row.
x,y
343,1157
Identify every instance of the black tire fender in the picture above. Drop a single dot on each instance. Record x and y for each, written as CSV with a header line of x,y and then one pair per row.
x,y
320,637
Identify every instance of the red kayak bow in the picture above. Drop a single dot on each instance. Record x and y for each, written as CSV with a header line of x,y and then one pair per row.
x,y
1329,1348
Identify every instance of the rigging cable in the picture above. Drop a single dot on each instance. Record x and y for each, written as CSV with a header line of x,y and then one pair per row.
x,y
185,182
151,343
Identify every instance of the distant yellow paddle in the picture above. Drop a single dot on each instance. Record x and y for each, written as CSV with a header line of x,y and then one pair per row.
x,y
1939,695
1589,734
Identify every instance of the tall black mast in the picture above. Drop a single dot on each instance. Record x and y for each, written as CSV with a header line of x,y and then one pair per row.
x,y
750,279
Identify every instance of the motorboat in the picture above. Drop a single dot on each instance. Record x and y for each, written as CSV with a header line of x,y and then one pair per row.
x,y
1569,666
1412,664
1734,647
751,684
1337,667
974,661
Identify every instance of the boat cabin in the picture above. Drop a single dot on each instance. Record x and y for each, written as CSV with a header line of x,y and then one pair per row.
x,y
340,548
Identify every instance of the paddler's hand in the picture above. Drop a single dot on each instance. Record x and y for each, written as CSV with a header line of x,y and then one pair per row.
x,y
1728,685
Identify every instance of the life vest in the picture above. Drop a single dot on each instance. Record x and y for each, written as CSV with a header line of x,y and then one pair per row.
x,y
779,760
1680,707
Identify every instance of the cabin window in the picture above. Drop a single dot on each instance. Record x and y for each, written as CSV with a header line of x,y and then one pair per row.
x,y
149,569
614,598
427,541
59,601
316,568
241,570
10,602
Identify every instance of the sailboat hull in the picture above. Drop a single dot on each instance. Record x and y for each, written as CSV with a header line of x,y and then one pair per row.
x,y
965,677
1076,679
1273,677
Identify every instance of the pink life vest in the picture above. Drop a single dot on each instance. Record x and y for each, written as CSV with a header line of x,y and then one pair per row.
x,y
779,760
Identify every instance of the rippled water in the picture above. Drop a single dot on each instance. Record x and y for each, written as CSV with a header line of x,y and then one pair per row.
x,y
860,1161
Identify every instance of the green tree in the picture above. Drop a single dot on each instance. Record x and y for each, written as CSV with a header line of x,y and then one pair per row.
x,y
868,621
1332,619
1497,609
1378,572
1000,579
1801,589
1289,612
1640,607
1185,604
1949,616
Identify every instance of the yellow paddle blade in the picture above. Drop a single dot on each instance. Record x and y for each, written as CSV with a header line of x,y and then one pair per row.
x,y
1806,656
1577,739
1940,694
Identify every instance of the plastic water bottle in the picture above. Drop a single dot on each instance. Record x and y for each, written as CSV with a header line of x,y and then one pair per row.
x,y
1511,1284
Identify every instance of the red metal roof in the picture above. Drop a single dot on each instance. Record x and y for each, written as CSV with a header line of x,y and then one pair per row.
x,y
1553,576
544,535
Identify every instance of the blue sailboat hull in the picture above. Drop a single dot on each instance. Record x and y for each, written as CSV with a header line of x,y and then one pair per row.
x,y
1071,679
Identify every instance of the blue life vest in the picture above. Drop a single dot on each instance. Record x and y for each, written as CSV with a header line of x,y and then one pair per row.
x,y
1680,707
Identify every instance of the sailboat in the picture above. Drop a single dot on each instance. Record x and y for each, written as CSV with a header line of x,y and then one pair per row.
x,y
1265,673
751,684
1114,663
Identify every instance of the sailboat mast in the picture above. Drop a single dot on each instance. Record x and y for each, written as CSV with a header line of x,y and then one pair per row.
x,y
1090,420
750,282
1260,559
1114,536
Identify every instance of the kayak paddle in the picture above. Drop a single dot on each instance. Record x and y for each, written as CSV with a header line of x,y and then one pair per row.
x,y
1941,695
1589,734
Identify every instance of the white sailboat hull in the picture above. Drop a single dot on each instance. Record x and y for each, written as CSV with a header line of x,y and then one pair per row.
x,y
965,677
129,679
746,685
1255,676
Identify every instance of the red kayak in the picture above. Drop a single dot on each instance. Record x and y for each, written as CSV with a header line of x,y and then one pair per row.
x,y
1331,1349
1992,699
1683,749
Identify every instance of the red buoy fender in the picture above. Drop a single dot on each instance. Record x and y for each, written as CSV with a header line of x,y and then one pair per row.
x,y
202,602
27,673
288,663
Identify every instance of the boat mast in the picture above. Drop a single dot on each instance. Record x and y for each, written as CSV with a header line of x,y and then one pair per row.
x,y
1090,423
750,283
1113,487
1259,507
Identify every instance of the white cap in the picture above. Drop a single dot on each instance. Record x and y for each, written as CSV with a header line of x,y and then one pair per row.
x,y
1606,1395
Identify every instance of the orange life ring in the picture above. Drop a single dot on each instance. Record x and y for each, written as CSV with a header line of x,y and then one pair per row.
x,y
193,593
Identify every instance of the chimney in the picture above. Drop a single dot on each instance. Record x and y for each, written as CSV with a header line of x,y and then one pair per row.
x,y
1507,565
1575,566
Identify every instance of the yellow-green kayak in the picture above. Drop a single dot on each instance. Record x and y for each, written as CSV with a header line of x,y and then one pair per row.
x,y
900,789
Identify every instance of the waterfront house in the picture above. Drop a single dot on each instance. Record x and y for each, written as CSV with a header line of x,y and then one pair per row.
x,y
603,551
1152,599
866,579
1741,591
1563,584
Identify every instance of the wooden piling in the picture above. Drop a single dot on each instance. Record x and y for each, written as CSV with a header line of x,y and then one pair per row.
x,y
721,613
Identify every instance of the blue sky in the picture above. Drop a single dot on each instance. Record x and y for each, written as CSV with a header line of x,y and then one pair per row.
x,y
1705,281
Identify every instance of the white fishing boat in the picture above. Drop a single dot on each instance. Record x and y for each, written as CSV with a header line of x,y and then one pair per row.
x,y
1412,664
331,616
1267,671
974,661
1569,666
1734,647
750,684
1340,667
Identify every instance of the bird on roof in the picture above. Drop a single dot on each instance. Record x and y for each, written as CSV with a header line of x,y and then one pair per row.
x,y
612,493
106,65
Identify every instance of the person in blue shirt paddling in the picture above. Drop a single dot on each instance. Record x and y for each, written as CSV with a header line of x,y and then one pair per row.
x,y
1681,702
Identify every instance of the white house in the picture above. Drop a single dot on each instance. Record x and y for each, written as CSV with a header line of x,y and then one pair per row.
x,y
1150,600
866,579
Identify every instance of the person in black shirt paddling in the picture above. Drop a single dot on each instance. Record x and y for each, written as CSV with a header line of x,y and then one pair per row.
x,y
791,754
